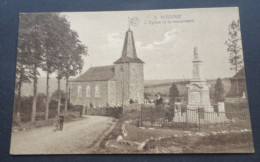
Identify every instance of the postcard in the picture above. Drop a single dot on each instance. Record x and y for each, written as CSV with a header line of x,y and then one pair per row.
x,y
131,82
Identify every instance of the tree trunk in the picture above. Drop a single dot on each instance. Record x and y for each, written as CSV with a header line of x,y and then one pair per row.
x,y
66,97
237,79
47,97
59,97
237,94
35,81
18,109
237,84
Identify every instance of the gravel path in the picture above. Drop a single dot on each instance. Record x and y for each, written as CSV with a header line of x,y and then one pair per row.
x,y
77,137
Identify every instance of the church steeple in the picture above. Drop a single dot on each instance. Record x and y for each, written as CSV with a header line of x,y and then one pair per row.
x,y
129,51
129,45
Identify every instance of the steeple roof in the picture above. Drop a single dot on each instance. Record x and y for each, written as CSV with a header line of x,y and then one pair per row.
x,y
129,51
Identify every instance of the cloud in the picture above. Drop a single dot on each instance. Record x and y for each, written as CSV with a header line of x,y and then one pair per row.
x,y
168,36
114,39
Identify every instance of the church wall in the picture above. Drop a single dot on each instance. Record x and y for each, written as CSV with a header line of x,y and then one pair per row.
x,y
136,82
87,100
131,75
122,77
112,93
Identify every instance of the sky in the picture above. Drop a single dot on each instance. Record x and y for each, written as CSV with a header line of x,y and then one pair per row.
x,y
164,39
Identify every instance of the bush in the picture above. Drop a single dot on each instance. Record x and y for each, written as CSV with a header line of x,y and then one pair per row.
x,y
236,105
26,107
169,113
41,102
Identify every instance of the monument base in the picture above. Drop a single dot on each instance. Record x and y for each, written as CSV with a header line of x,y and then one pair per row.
x,y
207,108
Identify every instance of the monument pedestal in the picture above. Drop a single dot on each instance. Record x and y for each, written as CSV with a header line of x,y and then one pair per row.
x,y
198,96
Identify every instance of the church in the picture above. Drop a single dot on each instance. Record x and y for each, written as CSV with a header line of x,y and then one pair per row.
x,y
112,85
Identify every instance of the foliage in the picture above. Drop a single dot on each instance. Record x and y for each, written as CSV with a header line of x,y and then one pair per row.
x,y
41,102
174,93
46,42
146,95
219,91
55,95
26,110
231,105
29,47
169,113
234,46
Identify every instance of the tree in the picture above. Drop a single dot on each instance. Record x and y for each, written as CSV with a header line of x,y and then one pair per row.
x,y
146,95
36,57
219,91
55,95
73,65
31,40
23,74
234,48
174,93
75,61
54,31
70,53
47,42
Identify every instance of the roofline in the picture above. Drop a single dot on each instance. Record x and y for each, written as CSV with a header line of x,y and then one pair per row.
x,y
93,80
128,62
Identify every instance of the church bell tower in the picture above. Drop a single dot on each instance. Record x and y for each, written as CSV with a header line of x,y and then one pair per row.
x,y
129,73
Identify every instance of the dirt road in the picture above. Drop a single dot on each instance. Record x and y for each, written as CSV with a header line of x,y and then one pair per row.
x,y
77,137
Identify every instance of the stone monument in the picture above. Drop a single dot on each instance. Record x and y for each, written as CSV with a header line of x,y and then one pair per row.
x,y
198,88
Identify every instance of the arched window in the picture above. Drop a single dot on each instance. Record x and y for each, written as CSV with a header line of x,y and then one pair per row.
x,y
97,93
88,91
79,91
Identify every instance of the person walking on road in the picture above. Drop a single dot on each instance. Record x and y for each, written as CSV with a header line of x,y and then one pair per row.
x,y
61,121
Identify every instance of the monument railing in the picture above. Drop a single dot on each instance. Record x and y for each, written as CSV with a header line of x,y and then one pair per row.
x,y
192,119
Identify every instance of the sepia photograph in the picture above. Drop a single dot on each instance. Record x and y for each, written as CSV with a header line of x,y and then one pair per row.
x,y
131,82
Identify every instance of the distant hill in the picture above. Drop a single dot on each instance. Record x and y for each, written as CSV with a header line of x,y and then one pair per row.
x,y
157,82
163,87
27,89
152,87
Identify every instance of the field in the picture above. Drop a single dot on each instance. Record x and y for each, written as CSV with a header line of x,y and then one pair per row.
x,y
234,136
177,141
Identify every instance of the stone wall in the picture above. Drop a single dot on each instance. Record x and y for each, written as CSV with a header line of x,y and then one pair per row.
x,y
136,82
131,76
112,101
121,75
85,100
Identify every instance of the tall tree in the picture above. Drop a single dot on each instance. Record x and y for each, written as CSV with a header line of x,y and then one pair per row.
x,y
174,93
31,36
75,61
70,53
35,55
234,48
23,74
53,41
47,42
219,91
